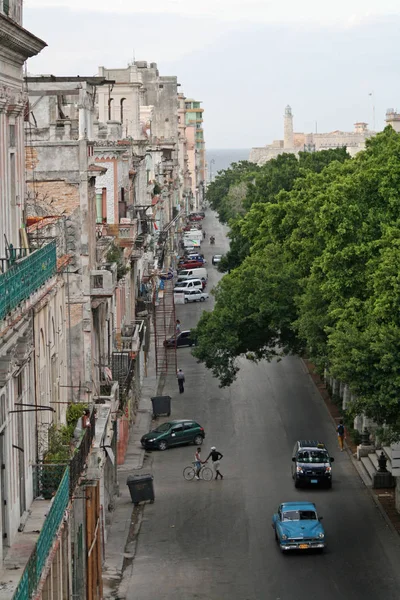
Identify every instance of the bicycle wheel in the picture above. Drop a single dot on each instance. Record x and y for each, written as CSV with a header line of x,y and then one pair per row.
x,y
206,474
188,473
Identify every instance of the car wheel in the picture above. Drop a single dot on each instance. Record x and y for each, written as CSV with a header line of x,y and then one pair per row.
x,y
162,445
202,299
296,483
186,300
276,535
198,440
329,485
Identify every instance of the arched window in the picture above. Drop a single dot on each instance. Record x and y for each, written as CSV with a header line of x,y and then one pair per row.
x,y
122,110
110,101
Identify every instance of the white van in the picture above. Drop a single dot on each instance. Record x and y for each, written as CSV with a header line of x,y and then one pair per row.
x,y
191,243
188,284
199,273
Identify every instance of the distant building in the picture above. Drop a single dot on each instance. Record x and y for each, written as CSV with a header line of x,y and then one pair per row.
x,y
393,119
293,143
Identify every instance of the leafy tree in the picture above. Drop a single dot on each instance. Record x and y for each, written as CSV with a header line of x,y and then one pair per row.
x,y
314,264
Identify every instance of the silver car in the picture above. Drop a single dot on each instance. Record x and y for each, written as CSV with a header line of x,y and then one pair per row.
x,y
195,296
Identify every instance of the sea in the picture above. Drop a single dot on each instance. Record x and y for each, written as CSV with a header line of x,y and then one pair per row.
x,y
223,158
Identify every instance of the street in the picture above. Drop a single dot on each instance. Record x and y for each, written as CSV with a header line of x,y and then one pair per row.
x,y
214,540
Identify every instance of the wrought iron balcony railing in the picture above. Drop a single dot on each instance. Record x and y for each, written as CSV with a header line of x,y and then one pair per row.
x,y
37,560
25,274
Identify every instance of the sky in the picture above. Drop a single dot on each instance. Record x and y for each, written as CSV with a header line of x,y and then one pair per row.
x,y
334,63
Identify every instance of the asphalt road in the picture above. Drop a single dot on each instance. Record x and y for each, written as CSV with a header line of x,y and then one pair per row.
x,y
214,540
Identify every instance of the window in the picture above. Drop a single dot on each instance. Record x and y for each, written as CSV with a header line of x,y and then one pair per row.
x,y
122,109
6,7
161,87
11,138
188,426
110,101
177,429
97,281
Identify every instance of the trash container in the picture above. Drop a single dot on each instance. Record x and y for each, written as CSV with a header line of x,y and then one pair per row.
x,y
161,405
141,488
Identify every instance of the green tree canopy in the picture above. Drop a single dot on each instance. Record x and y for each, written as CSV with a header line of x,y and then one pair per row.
x,y
314,264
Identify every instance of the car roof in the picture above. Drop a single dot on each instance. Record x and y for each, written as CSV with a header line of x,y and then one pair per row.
x,y
175,421
311,444
298,506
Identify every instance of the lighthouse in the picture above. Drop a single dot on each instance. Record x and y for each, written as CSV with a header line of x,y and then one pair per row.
x,y
288,128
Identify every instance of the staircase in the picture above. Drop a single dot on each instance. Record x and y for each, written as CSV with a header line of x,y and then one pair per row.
x,y
371,468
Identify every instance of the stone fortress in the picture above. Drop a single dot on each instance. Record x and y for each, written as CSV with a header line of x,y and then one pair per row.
x,y
294,143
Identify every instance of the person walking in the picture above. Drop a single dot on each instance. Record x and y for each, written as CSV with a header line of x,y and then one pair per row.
x,y
341,434
178,327
181,380
204,235
215,457
197,462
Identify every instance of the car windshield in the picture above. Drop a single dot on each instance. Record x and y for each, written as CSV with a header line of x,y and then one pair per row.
x,y
299,515
163,427
313,456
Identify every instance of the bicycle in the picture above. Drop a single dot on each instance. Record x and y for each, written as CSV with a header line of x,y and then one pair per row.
x,y
190,472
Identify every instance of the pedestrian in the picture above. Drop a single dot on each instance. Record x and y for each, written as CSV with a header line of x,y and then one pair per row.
x,y
215,457
204,235
341,434
181,380
178,326
197,462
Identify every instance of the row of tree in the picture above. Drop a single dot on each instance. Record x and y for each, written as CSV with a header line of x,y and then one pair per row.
x,y
313,266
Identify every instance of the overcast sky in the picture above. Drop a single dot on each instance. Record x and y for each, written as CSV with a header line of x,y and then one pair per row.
x,y
245,59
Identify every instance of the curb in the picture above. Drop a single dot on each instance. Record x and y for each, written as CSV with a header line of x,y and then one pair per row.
x,y
356,466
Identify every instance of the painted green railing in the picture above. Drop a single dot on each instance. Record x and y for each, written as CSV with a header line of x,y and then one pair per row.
x,y
33,570
26,276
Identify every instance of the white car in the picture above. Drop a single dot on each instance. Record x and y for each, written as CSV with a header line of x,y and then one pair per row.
x,y
216,259
195,296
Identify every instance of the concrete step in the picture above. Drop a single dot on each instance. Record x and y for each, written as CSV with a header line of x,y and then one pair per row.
x,y
388,451
368,466
374,460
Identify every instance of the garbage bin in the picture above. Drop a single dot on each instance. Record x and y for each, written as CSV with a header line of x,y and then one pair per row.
x,y
141,488
161,405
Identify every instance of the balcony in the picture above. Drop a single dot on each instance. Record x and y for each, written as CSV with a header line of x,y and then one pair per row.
x,y
103,281
124,233
128,343
33,550
23,274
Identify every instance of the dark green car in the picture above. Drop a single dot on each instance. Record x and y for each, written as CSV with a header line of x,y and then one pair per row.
x,y
173,433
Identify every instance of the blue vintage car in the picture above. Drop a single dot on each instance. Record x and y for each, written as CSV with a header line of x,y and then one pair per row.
x,y
298,527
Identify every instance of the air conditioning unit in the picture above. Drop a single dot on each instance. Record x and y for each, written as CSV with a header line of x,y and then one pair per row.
x,y
103,281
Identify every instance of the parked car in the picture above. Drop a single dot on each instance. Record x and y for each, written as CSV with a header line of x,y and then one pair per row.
x,y
190,226
182,339
195,218
198,256
191,264
195,296
216,259
199,273
298,527
182,285
174,433
311,464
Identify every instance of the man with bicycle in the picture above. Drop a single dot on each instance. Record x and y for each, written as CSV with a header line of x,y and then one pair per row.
x,y
215,458
197,462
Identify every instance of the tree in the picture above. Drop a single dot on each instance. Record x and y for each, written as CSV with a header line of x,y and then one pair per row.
x,y
314,264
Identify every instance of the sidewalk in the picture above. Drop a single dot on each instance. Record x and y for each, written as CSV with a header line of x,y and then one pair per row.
x,y
125,516
384,498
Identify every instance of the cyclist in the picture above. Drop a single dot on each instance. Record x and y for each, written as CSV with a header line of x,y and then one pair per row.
x,y
197,462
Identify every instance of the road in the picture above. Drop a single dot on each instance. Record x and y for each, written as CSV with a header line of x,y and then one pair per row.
x,y
213,540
